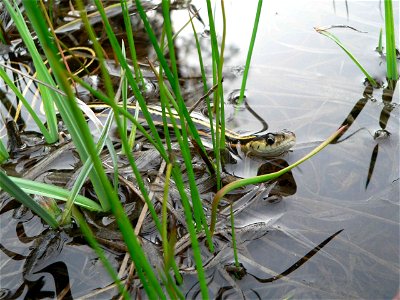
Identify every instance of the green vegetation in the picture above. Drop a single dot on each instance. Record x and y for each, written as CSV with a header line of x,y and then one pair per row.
x,y
379,49
250,52
54,79
348,52
391,60
3,152
266,177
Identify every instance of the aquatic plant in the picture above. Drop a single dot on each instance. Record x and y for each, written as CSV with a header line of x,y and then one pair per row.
x,y
250,52
379,48
58,91
391,59
325,32
3,152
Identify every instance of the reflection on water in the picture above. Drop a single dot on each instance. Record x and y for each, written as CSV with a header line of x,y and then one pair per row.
x,y
303,82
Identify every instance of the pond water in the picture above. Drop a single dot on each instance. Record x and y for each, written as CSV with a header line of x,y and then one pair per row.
x,y
301,81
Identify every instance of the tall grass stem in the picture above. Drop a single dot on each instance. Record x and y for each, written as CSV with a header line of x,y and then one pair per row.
x,y
250,52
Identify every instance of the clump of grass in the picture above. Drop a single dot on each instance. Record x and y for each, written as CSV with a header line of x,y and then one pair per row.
x,y
184,129
47,94
325,32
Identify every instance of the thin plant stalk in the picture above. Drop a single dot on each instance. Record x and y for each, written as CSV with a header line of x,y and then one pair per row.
x,y
205,86
197,207
235,255
131,42
266,177
184,197
88,234
379,49
352,57
80,180
164,235
163,62
4,155
46,133
391,60
48,96
218,92
250,51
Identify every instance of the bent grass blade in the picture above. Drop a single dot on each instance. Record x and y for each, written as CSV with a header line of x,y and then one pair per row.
x,y
352,57
263,178
16,192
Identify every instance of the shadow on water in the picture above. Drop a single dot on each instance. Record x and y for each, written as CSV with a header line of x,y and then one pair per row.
x,y
347,196
387,97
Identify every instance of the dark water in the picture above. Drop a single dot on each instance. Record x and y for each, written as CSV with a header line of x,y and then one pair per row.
x,y
301,81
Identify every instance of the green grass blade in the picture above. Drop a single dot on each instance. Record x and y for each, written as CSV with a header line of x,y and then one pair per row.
x,y
117,49
68,108
87,167
250,51
181,135
131,42
391,60
192,232
235,255
2,34
13,190
171,78
379,49
218,94
352,57
52,191
4,155
88,234
205,86
154,42
31,111
42,73
139,97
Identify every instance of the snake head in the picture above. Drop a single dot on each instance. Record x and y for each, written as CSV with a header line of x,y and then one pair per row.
x,y
271,144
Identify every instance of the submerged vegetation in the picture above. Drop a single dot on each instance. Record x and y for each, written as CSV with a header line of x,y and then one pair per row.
x,y
178,144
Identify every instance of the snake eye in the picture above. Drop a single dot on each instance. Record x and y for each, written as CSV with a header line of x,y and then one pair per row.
x,y
270,139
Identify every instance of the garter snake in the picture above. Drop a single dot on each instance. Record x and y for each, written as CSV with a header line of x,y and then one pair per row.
x,y
269,144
